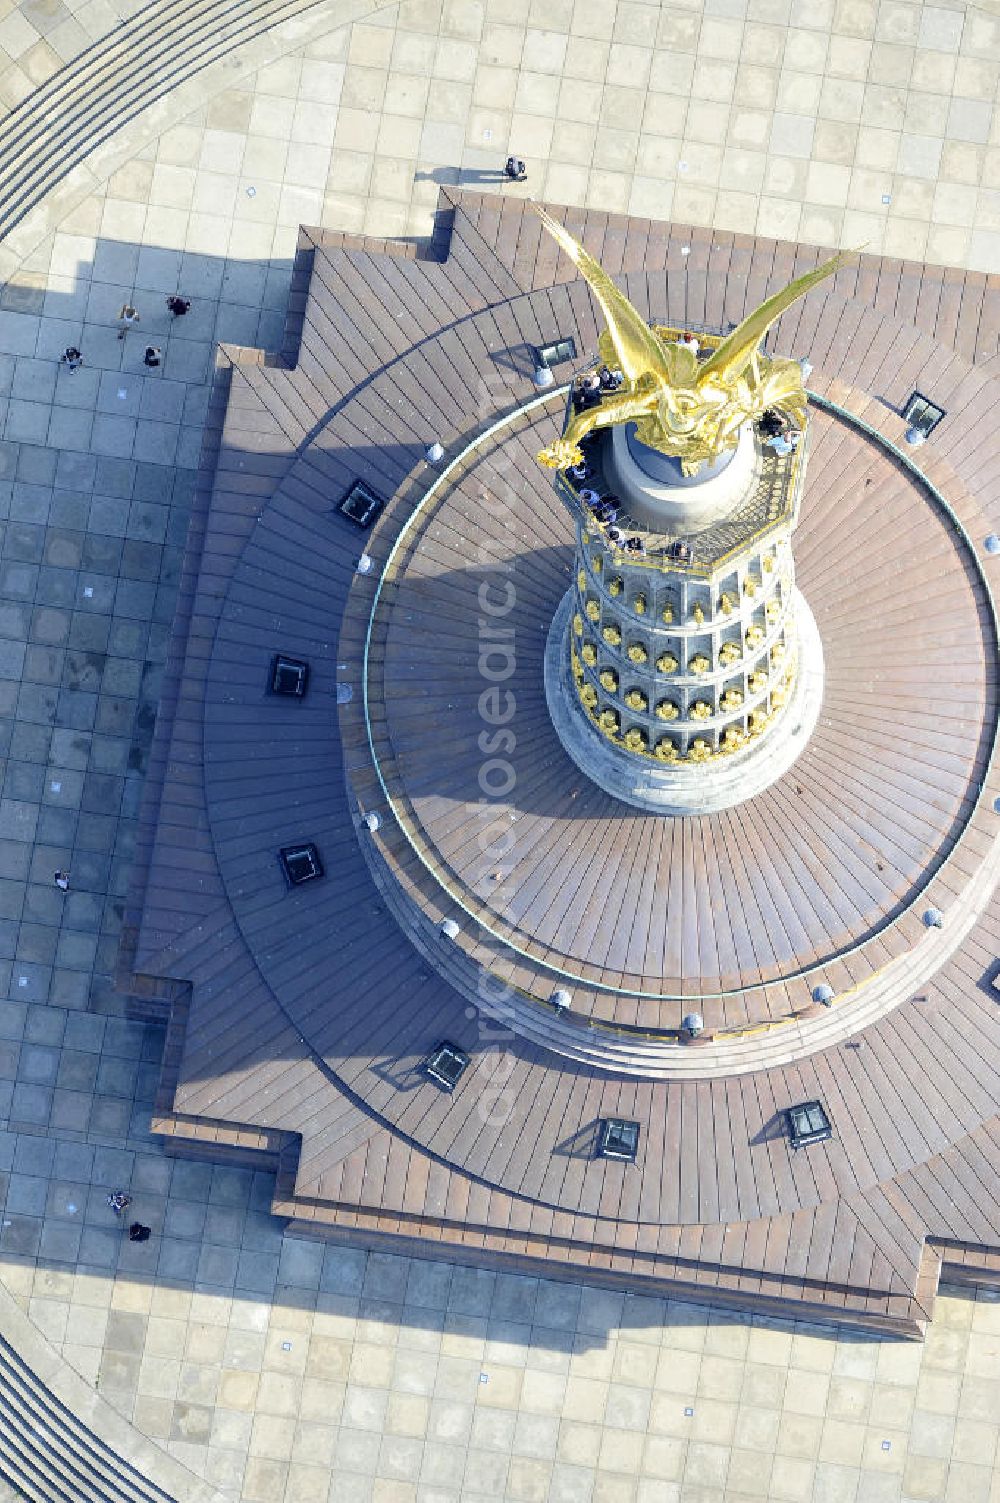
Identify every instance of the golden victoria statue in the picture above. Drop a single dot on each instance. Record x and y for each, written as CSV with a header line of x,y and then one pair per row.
x,y
689,408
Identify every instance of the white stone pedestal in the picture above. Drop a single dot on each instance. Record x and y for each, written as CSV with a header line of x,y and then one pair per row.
x,y
658,496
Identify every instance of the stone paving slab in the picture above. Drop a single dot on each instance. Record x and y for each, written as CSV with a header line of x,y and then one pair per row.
x,y
822,122
30,1339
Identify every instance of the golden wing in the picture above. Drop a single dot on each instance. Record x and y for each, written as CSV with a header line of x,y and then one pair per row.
x,y
638,349
733,354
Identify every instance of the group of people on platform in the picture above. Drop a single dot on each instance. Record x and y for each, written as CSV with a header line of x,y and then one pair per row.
x,y
589,389
778,432
604,510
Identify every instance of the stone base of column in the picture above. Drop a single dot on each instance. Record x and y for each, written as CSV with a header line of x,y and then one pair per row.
x,y
691,788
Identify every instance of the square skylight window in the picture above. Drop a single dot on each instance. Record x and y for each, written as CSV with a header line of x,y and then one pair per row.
x,y
446,1064
289,676
618,1139
923,414
300,863
548,355
808,1123
361,505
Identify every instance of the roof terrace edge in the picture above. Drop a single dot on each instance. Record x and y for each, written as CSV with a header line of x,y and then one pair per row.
x,y
968,1262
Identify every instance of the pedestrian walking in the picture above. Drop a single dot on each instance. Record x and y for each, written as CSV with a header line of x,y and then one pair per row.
x,y
72,357
118,1200
61,880
127,317
152,356
138,1233
178,305
515,170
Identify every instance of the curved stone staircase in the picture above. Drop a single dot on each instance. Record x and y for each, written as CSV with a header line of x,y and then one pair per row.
x,y
49,1456
113,81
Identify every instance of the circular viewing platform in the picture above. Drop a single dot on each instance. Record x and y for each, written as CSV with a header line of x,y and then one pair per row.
x,y
632,915
767,497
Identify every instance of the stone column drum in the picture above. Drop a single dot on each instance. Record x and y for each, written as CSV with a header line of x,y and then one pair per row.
x,y
686,684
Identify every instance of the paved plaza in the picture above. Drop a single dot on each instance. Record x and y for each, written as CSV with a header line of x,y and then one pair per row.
x,y
277,1368
829,121
282,1369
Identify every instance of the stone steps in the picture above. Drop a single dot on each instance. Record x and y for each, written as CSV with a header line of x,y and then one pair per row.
x,y
113,81
50,1456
